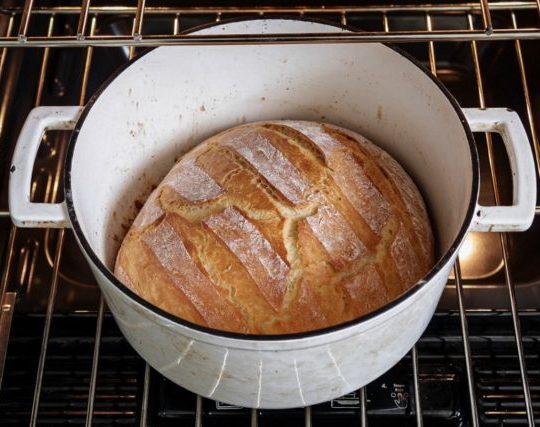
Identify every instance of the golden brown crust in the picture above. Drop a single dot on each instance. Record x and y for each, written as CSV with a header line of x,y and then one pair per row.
x,y
278,227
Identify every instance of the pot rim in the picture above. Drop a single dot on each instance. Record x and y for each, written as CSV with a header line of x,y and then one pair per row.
x,y
443,260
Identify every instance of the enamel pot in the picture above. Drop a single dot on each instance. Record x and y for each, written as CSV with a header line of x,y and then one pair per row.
x,y
164,102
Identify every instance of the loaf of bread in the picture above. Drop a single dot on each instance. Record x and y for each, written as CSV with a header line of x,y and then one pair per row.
x,y
278,227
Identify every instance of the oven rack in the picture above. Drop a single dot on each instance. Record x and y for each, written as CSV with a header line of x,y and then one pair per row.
x,y
21,36
477,26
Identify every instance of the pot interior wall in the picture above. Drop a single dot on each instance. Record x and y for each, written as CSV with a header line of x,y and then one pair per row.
x,y
174,97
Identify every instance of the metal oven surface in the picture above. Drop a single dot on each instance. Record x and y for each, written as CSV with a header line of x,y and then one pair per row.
x,y
62,359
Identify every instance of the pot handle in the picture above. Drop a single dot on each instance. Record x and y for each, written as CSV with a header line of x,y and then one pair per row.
x,y
520,215
25,213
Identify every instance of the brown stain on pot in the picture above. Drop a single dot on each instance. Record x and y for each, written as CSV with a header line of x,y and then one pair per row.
x,y
379,113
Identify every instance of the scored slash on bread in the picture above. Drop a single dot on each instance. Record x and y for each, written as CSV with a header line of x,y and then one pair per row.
x,y
278,227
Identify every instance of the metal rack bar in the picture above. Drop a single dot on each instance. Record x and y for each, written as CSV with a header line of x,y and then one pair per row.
x,y
431,46
31,251
4,50
363,411
6,315
25,18
87,65
137,24
307,416
176,24
9,85
198,412
486,16
47,328
254,418
417,398
365,8
282,38
44,63
146,392
386,24
517,333
504,244
137,27
95,362
466,345
83,18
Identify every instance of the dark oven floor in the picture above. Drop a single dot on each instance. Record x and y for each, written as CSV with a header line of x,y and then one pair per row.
x,y
63,76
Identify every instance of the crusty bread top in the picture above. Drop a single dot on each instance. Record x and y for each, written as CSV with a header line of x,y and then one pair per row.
x,y
278,227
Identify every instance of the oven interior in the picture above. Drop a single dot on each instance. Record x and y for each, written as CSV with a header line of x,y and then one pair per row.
x,y
63,361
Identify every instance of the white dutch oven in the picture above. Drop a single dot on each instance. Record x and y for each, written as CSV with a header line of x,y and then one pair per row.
x,y
170,99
